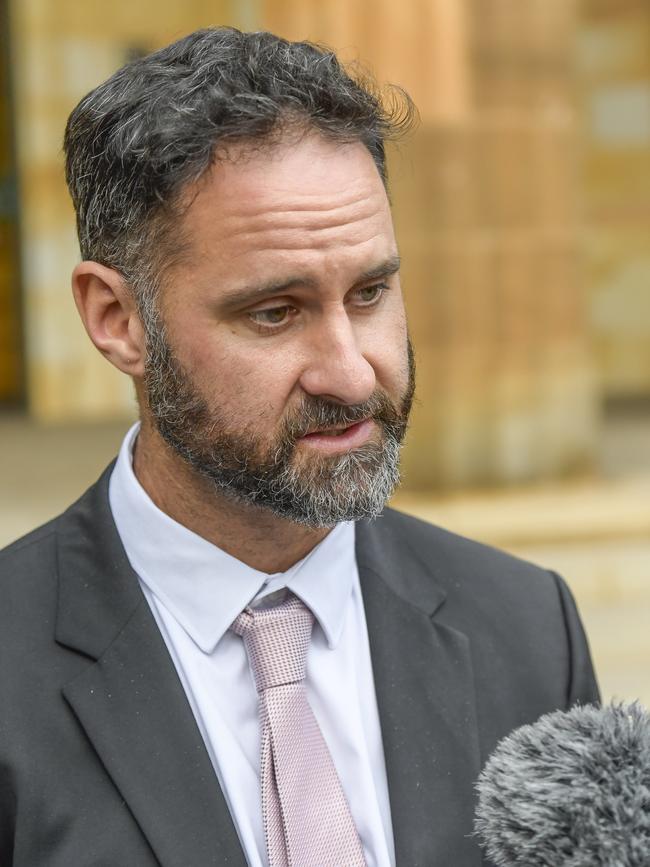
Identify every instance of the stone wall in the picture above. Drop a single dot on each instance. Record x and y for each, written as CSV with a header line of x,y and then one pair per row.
x,y
60,51
485,200
614,65
485,206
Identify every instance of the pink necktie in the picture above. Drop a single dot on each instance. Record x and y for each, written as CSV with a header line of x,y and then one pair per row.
x,y
307,821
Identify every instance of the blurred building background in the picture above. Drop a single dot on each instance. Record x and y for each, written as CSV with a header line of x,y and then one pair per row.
x,y
522,206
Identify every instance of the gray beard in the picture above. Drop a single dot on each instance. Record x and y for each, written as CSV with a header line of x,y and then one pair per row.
x,y
314,490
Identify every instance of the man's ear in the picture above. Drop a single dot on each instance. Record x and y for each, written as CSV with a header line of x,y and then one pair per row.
x,y
109,315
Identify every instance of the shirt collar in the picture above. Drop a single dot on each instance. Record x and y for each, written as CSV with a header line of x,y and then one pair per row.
x,y
203,587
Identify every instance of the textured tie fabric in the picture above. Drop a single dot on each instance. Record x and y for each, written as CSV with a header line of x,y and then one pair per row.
x,y
307,820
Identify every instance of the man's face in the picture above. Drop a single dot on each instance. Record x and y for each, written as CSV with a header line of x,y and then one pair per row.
x,y
278,361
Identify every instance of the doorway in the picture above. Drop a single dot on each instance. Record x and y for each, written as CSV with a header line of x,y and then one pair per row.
x,y
11,336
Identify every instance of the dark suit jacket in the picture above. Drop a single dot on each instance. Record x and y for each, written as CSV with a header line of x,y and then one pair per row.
x,y
101,761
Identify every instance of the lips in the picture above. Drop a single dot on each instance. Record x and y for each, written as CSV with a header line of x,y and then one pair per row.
x,y
334,431
336,440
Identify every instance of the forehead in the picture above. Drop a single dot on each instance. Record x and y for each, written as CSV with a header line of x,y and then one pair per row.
x,y
293,201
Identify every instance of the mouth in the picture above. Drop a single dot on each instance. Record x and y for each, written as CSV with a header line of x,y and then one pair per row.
x,y
334,431
339,437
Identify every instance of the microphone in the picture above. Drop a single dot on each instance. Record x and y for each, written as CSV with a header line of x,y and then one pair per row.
x,y
571,790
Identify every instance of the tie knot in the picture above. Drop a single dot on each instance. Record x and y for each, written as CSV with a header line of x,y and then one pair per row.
x,y
277,641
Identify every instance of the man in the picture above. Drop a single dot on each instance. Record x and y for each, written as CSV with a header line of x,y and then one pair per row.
x,y
239,263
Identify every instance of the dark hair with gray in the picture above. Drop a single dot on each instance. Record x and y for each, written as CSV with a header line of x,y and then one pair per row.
x,y
134,143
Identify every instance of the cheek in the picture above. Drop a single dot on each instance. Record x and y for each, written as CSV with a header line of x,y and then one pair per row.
x,y
249,384
387,351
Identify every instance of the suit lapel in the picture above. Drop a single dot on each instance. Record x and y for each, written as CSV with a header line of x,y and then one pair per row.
x,y
130,702
425,694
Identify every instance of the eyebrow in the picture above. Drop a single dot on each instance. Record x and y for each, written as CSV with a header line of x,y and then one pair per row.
x,y
252,294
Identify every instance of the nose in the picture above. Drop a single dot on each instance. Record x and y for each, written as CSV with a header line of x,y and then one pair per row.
x,y
336,367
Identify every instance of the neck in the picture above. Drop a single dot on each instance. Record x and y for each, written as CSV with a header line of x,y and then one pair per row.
x,y
254,536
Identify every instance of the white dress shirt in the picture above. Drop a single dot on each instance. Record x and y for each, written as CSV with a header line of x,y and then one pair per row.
x,y
195,591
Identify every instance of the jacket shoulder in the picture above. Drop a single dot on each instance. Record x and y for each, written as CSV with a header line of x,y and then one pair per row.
x,y
518,616
449,556
30,558
28,592
28,566
15,551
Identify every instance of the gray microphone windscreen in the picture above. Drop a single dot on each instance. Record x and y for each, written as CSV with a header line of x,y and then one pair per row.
x,y
571,790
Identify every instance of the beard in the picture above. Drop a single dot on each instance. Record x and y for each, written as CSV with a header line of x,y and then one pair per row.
x,y
296,484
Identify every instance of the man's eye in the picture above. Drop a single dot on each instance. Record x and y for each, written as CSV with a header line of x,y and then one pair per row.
x,y
271,316
370,294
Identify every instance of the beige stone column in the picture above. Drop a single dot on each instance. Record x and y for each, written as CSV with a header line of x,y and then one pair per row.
x,y
614,64
60,51
485,207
